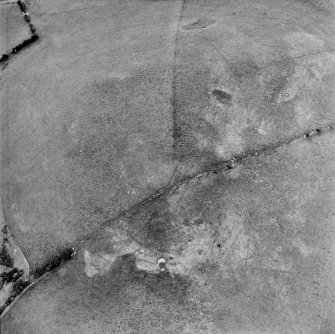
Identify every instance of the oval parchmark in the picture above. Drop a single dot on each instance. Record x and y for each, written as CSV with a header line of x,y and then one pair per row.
x,y
222,96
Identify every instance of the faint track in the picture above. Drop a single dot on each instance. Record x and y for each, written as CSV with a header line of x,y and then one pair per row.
x,y
174,79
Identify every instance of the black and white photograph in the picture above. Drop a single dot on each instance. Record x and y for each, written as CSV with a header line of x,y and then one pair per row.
x,y
167,166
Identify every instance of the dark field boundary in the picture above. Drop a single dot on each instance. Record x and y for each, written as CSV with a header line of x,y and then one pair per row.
x,y
34,36
15,275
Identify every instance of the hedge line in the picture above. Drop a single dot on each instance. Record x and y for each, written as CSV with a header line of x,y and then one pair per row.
x,y
25,43
27,18
22,6
32,28
4,57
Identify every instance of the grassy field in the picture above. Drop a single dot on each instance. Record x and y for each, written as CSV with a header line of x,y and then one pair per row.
x,y
120,98
89,128
87,123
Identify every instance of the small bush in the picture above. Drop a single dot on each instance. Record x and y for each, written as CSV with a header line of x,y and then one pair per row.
x,y
34,38
11,276
3,58
5,258
27,18
32,28
19,286
22,6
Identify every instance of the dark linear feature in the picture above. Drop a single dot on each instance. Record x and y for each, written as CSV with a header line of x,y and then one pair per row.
x,y
34,37
54,262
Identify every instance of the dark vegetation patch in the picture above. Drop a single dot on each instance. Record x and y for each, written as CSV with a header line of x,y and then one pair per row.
x,y
10,276
5,258
200,23
18,287
5,229
22,6
4,57
54,262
